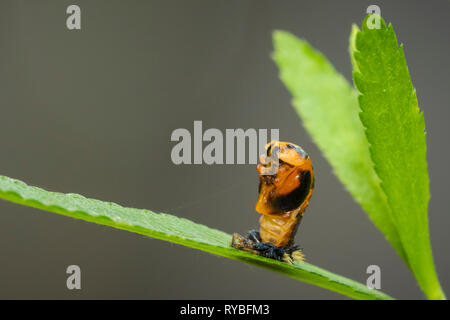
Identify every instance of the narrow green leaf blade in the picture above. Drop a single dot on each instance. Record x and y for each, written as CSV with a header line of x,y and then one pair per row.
x,y
395,129
328,106
173,229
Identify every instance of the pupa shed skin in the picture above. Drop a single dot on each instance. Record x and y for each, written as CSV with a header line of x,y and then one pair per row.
x,y
284,195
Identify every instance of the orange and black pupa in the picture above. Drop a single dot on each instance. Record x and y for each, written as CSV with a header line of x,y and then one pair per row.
x,y
286,183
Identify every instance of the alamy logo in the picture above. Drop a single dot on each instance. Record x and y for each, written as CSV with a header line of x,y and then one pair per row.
x,y
374,280
74,280
220,148
374,21
73,21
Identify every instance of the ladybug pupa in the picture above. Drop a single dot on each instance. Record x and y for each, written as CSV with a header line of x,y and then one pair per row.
x,y
286,183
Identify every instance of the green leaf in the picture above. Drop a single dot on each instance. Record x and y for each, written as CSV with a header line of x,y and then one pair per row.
x,y
352,46
173,229
328,106
395,129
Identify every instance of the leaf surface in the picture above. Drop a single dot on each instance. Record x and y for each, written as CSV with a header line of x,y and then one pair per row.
x,y
173,229
395,129
328,107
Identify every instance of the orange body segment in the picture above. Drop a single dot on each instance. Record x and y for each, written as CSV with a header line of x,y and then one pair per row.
x,y
284,196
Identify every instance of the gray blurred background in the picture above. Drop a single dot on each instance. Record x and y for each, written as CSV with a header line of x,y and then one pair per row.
x,y
92,111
